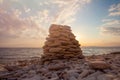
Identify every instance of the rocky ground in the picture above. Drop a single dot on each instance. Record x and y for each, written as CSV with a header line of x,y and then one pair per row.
x,y
95,67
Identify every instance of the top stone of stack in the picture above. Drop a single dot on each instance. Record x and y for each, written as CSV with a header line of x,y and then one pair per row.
x,y
61,43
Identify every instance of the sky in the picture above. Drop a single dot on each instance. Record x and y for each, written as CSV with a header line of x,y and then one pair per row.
x,y
25,23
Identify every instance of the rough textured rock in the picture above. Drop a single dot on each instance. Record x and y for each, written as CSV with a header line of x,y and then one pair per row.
x,y
61,43
66,69
2,68
12,68
99,64
105,77
92,76
36,77
84,73
57,67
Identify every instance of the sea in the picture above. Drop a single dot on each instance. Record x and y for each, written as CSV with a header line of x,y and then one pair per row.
x,y
8,55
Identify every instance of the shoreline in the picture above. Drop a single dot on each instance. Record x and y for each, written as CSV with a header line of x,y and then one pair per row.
x,y
79,69
15,61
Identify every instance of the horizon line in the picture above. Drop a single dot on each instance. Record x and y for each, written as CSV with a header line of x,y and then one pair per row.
x,y
80,46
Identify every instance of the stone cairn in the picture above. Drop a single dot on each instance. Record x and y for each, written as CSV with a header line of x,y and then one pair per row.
x,y
61,43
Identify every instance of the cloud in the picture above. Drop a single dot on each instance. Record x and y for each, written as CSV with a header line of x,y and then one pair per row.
x,y
114,10
29,20
27,10
68,10
1,1
16,23
112,26
111,22
114,14
114,30
13,26
106,20
64,10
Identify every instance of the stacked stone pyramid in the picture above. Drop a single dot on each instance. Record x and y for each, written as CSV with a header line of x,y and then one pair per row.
x,y
61,43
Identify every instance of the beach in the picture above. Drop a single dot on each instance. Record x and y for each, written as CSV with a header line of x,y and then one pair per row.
x,y
59,39
65,69
62,59
11,55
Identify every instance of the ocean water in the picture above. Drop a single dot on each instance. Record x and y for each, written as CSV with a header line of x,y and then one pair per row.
x,y
14,54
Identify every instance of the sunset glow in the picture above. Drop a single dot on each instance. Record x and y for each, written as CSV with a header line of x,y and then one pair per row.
x,y
25,23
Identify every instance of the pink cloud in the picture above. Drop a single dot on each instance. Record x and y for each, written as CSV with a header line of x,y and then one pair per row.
x,y
13,26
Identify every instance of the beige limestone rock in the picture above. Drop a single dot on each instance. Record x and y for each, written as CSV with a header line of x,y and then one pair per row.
x,y
53,50
99,65
61,43
2,68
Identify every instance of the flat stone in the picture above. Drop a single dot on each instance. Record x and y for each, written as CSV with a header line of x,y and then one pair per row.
x,y
55,44
36,77
84,73
57,67
72,78
42,70
55,50
12,68
55,78
73,73
2,68
99,65
91,76
88,78
105,77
